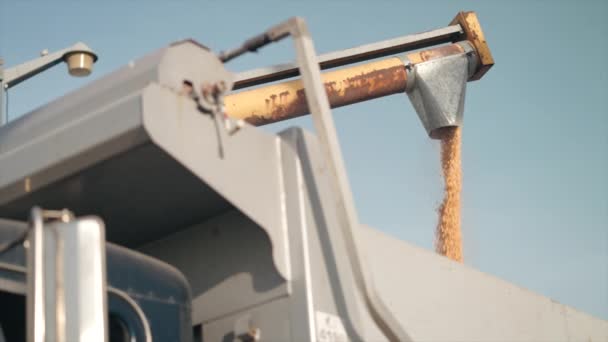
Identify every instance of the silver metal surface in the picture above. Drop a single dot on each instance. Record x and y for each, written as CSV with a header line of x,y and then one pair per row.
x,y
472,56
270,319
67,299
215,259
300,229
409,71
229,262
3,111
46,160
345,208
353,55
438,92
443,300
239,170
319,255
36,281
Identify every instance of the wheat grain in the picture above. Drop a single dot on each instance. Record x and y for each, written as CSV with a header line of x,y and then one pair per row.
x,y
448,234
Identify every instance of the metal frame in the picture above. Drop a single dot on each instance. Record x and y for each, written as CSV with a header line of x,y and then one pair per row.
x,y
19,73
22,72
437,88
361,82
36,317
353,55
347,216
3,111
52,314
304,195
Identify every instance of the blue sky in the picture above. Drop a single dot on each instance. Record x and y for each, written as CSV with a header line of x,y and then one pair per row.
x,y
535,150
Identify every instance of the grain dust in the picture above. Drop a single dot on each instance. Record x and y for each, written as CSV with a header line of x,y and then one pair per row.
x,y
448,234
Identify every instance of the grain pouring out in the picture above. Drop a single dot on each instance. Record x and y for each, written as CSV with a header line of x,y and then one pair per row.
x,y
448,233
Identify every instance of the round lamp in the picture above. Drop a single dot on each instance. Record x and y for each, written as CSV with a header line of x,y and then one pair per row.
x,y
80,63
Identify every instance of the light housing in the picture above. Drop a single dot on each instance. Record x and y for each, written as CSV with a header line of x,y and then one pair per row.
x,y
80,63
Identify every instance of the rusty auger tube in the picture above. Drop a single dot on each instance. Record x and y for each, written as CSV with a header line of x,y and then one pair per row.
x,y
345,86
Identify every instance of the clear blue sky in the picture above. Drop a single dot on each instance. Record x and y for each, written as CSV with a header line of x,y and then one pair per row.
x,y
536,126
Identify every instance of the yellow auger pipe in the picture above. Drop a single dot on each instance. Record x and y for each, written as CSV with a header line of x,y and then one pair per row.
x,y
353,84
344,86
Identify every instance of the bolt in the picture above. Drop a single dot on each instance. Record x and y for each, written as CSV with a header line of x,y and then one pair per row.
x,y
66,215
206,89
254,334
187,88
221,86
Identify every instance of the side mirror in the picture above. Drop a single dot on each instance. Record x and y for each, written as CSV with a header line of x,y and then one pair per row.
x,y
66,277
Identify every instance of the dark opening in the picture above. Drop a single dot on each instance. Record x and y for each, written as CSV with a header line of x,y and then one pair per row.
x,y
13,321
197,333
119,331
12,317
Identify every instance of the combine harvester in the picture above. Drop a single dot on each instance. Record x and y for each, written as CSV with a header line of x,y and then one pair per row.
x,y
219,231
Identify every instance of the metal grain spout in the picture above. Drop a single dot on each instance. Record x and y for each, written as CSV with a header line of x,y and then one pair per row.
x,y
437,88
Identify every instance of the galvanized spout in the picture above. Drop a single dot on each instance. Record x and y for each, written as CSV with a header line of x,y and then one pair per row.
x,y
437,89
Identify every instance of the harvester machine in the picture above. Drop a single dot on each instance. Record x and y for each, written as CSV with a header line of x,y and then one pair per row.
x,y
147,206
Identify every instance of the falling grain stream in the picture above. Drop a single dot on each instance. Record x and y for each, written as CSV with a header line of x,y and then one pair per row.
x,y
448,234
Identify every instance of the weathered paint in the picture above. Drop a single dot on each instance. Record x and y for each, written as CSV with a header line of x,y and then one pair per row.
x,y
438,52
473,33
344,86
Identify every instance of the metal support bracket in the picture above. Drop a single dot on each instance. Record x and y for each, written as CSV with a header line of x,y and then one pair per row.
x,y
12,76
3,114
318,103
22,72
438,89
66,278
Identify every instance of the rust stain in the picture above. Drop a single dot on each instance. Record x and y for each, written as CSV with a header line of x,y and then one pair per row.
x,y
474,34
431,54
358,88
343,87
